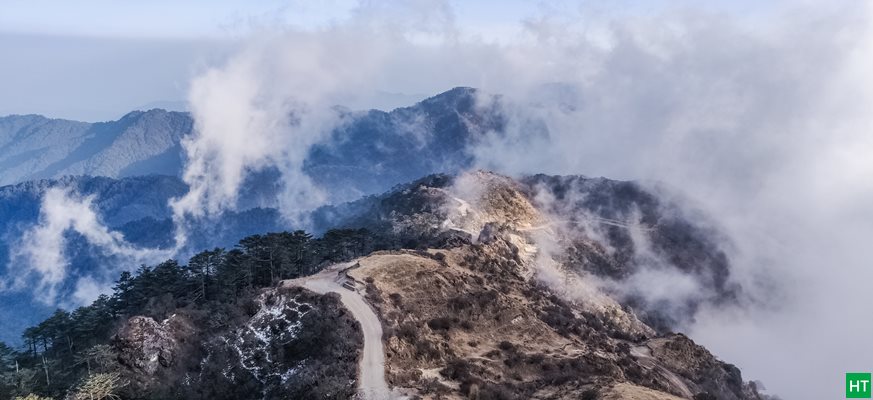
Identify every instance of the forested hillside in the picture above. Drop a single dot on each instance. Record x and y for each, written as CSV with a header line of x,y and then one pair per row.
x,y
74,352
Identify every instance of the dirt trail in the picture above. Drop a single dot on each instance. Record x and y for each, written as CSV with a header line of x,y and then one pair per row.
x,y
604,221
644,355
371,382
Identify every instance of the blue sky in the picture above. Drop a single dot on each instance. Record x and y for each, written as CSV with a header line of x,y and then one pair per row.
x,y
197,19
97,59
151,19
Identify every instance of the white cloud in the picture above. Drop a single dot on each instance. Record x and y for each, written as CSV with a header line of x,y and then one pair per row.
x,y
40,254
87,290
767,127
269,103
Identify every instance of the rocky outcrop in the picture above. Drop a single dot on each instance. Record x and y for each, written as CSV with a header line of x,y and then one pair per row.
x,y
147,345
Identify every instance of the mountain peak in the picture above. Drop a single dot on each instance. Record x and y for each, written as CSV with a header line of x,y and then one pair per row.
x,y
452,96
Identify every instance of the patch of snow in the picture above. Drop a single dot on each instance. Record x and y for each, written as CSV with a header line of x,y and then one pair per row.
x,y
253,343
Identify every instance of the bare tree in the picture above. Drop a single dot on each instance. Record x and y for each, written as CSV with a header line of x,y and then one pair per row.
x,y
100,387
31,397
99,356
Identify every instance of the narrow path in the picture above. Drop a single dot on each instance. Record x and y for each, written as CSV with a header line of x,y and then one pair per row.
x,y
371,382
604,221
643,354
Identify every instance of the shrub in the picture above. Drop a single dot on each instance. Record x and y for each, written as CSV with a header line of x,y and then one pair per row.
x,y
407,332
373,293
457,369
99,387
460,302
494,392
32,397
623,348
440,324
536,358
426,350
434,386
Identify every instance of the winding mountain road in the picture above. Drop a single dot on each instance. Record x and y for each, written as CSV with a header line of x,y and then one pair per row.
x,y
371,382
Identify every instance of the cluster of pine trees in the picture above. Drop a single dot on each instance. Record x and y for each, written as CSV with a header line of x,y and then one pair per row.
x,y
70,352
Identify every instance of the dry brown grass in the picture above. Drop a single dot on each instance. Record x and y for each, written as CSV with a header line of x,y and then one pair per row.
x,y
439,311
627,391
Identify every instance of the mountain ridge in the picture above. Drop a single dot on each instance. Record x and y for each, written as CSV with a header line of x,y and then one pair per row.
x,y
404,207
475,314
139,143
373,151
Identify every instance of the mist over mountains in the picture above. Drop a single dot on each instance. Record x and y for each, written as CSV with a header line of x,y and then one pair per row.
x,y
476,276
131,169
733,139
369,154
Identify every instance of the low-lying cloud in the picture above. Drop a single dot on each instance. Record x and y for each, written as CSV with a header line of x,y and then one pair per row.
x,y
270,103
40,255
766,126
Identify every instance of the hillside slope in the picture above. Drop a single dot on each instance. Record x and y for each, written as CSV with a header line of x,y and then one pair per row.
x,y
621,234
500,310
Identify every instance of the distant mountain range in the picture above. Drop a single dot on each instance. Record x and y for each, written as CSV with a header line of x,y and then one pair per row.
x,y
131,167
553,275
369,155
140,143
